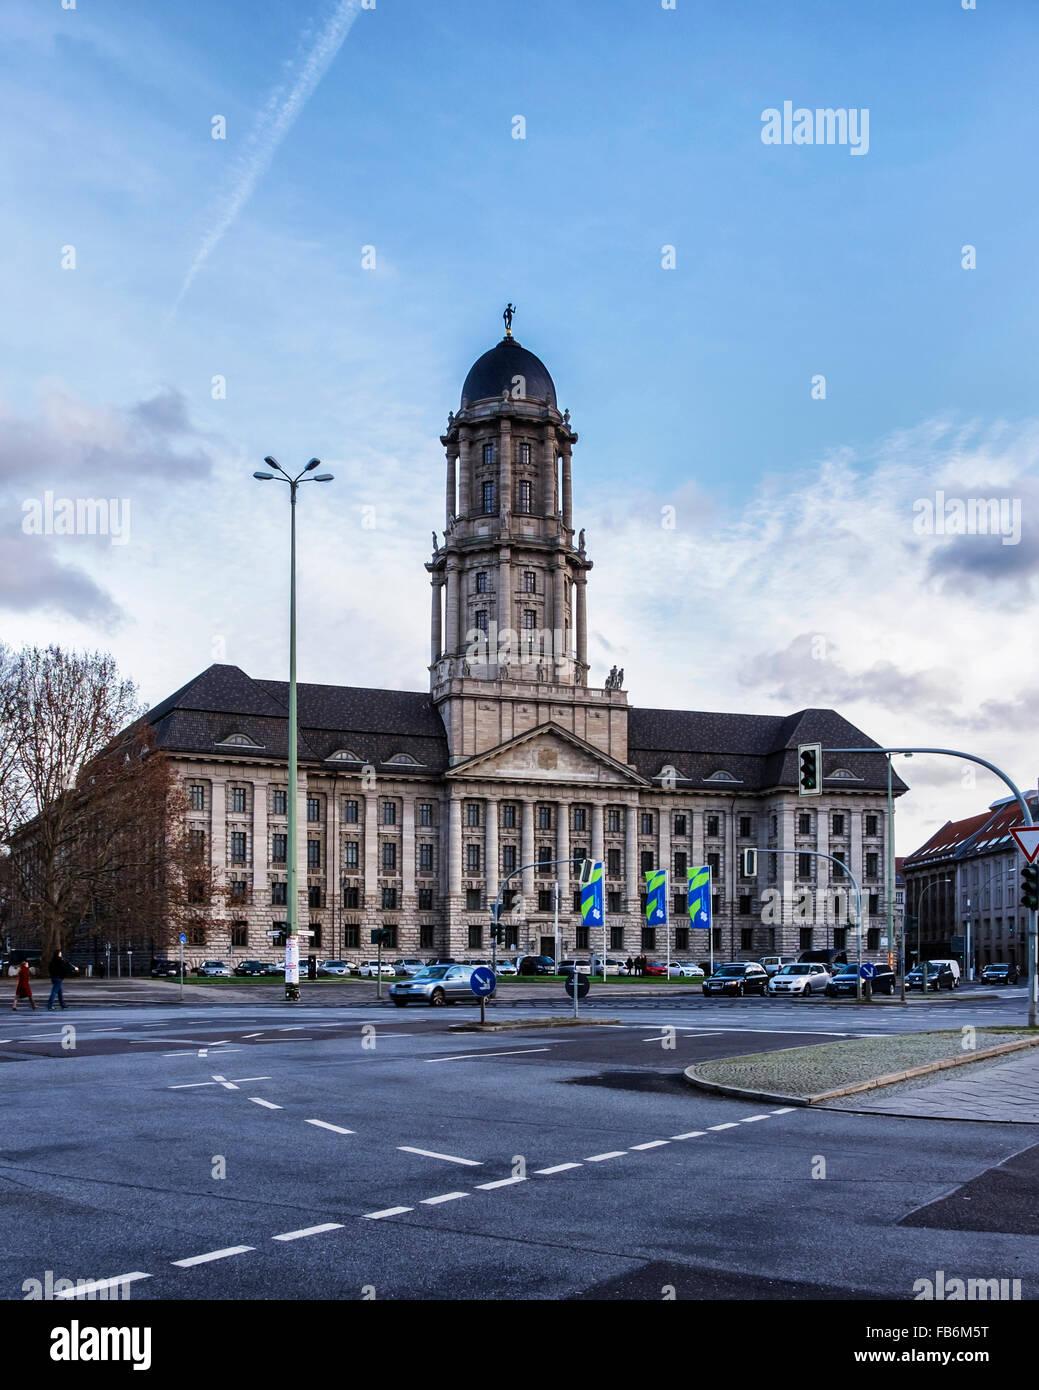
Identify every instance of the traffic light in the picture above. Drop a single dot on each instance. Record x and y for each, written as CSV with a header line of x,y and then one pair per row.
x,y
750,863
809,769
1030,887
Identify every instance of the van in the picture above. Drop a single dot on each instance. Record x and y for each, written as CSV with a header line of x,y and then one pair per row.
x,y
773,964
953,965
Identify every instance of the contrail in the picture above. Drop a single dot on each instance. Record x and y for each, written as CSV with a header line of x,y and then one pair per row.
x,y
271,126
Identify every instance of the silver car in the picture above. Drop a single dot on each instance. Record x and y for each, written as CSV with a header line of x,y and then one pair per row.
x,y
437,984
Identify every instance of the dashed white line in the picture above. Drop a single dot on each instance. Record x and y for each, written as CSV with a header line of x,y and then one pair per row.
x,y
502,1182
310,1231
786,1110
653,1144
601,1158
693,1134
389,1211
444,1197
448,1158
323,1124
731,1124
559,1168
267,1104
192,1085
749,1119
466,1056
213,1255
95,1284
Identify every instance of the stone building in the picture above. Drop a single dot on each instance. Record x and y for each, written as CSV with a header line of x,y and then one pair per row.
x,y
415,808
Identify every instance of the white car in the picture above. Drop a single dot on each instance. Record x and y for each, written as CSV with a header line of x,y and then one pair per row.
x,y
213,967
370,969
411,965
506,967
685,970
334,967
801,978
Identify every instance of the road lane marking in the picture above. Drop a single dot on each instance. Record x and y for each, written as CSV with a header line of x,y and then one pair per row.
x,y
559,1168
310,1231
252,1035
731,1124
786,1110
502,1182
191,1085
228,1085
267,1104
389,1211
653,1144
213,1255
463,1056
445,1197
96,1284
448,1158
323,1124
749,1119
693,1134
600,1158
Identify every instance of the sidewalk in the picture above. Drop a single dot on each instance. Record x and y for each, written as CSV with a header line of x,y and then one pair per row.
x,y
1006,1092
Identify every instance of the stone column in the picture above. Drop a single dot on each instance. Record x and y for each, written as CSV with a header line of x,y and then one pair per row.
x,y
597,831
787,937
451,625
454,849
559,642
505,465
407,851
219,850
582,621
435,626
465,474
527,854
452,460
490,850
548,472
562,814
568,502
372,896
504,581
631,857
664,845
260,858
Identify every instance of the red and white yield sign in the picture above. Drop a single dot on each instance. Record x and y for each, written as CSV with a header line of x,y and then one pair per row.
x,y
1027,836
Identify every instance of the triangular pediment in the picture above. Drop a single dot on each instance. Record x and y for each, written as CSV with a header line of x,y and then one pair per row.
x,y
549,753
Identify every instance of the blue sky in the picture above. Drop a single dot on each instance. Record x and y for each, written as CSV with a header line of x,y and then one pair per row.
x,y
689,387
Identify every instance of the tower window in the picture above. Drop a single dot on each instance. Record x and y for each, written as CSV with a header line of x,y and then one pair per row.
x,y
530,619
481,620
489,452
522,453
481,582
490,505
523,495
530,581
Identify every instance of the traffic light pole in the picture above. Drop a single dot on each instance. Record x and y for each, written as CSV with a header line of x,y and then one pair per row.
x,y
1026,816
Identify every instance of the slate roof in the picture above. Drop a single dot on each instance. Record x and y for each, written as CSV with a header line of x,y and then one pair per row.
x,y
758,749
988,833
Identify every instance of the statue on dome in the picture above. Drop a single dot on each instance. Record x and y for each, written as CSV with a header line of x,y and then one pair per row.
x,y
510,309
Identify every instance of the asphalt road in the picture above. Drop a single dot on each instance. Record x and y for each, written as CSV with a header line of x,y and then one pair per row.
x,y
294,1152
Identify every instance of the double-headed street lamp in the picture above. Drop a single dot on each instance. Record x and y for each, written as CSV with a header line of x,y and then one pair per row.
x,y
292,938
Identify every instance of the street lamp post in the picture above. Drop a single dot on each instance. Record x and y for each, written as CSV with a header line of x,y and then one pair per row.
x,y
292,937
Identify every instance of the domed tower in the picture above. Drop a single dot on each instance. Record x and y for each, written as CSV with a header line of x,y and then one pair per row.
x,y
508,608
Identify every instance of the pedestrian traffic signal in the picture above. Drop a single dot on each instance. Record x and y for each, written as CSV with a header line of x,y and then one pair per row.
x,y
1030,887
809,769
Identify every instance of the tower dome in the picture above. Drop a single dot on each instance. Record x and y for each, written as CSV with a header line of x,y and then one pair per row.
x,y
508,369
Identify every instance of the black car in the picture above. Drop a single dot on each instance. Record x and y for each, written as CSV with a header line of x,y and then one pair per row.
x,y
1001,973
939,976
843,982
161,967
250,967
537,965
737,977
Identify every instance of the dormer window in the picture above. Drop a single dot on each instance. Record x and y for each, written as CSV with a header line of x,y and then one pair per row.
x,y
524,495
722,776
490,497
238,741
404,759
843,774
343,755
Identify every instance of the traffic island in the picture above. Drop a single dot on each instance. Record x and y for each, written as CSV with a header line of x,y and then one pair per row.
x,y
826,1071
514,1023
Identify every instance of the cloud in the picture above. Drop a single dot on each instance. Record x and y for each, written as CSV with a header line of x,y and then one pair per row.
x,y
274,122
32,579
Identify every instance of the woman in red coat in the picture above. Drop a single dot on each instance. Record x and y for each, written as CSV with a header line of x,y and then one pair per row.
x,y
22,989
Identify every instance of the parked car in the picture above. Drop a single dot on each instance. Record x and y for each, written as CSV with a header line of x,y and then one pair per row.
x,y
274,967
410,965
32,954
737,977
162,967
213,968
435,985
506,967
334,967
842,982
940,975
371,969
537,965
801,978
656,968
250,967
686,970
1000,973
774,963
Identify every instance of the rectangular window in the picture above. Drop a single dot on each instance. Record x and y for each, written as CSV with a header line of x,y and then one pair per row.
x,y
279,894
472,900
581,936
873,939
198,798
351,935
871,825
279,802
840,938
313,854
472,859
804,823
196,936
874,904
872,865
481,582
389,899
716,938
577,900
508,816
350,854
197,842
530,581
646,823
746,827
349,812
775,825
681,865
544,857
743,905
279,849
806,935
646,860
508,858
580,818
425,937
649,938
489,452
239,890
712,826
524,496
237,846
425,900
746,938
523,453
475,936
680,823
389,813
613,863
240,934
314,895
530,619
544,817
352,898
804,866
472,813
314,940
613,902
544,899
389,857
425,859
837,870
681,938
714,863
681,903
481,620
508,899
238,801
490,504
313,808
425,813
838,824
613,819
616,938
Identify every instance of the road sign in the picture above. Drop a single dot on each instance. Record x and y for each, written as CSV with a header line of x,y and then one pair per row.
x,y
183,938
1027,837
482,981
958,943
583,985
891,960
867,970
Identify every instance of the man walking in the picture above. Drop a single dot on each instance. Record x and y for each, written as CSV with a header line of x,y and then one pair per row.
x,y
22,988
629,965
59,968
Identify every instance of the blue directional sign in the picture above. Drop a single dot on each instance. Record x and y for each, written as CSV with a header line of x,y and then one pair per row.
x,y
183,938
482,981
867,970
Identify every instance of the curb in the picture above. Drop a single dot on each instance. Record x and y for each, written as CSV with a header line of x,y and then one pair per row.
x,y
514,1024
943,1064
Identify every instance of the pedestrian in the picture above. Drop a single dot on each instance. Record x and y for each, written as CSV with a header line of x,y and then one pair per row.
x,y
59,969
639,964
629,965
22,988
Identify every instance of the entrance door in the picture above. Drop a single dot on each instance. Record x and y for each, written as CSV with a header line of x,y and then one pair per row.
x,y
548,946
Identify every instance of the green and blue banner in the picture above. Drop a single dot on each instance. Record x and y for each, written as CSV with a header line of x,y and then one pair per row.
x,y
656,897
592,905
700,898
